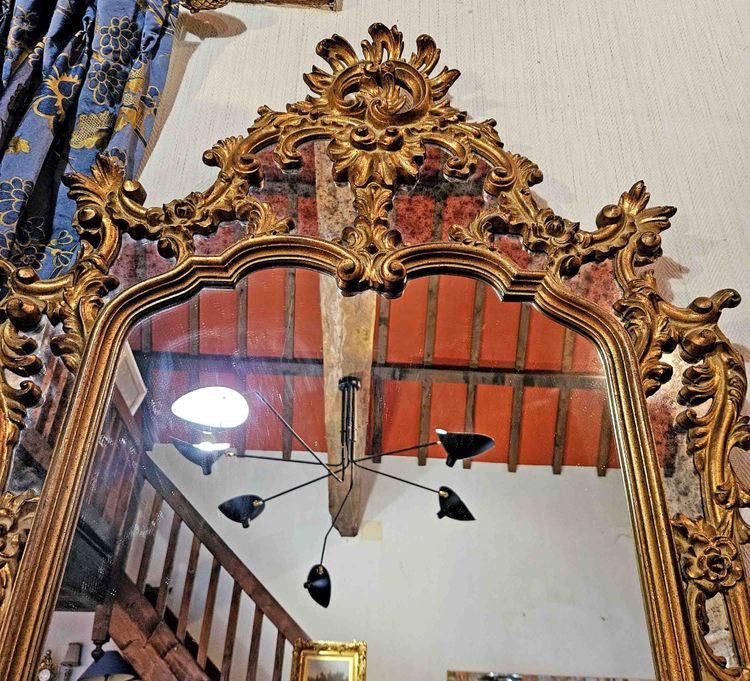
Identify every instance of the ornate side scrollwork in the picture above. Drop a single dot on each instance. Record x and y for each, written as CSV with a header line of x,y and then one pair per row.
x,y
16,515
716,377
710,563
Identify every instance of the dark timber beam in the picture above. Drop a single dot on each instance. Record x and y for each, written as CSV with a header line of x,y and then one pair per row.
x,y
388,371
517,405
480,295
376,409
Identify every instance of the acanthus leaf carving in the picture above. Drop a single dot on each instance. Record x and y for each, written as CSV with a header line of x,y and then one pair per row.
x,y
16,516
710,563
715,377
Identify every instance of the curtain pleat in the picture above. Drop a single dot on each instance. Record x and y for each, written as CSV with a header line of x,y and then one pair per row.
x,y
78,77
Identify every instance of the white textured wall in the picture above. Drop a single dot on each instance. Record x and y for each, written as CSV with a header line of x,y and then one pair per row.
x,y
71,627
543,582
598,93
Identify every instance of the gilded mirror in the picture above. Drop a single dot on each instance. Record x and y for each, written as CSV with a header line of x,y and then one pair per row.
x,y
536,573
490,265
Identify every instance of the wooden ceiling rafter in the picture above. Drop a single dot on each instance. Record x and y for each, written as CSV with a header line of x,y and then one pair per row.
x,y
480,294
517,403
381,347
429,338
387,371
288,354
563,405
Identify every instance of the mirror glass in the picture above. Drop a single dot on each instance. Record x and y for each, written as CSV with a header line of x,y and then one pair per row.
x,y
501,544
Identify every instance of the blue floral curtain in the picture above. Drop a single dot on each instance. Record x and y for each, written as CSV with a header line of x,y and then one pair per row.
x,y
78,77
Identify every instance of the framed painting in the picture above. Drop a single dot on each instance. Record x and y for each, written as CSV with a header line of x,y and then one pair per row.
x,y
329,661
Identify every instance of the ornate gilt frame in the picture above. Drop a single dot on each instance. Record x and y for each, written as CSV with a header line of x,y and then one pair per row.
x,y
356,650
378,112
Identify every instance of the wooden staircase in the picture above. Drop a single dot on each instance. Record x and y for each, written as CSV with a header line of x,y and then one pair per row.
x,y
148,641
166,643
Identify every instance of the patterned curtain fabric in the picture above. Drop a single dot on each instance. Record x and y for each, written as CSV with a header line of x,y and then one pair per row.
x,y
77,77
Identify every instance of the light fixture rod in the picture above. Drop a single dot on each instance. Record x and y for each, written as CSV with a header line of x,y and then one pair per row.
x,y
274,458
348,385
304,484
394,477
336,517
296,436
397,451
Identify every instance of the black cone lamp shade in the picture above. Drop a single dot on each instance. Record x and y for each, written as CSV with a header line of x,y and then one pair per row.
x,y
110,667
451,505
318,585
200,457
243,509
463,445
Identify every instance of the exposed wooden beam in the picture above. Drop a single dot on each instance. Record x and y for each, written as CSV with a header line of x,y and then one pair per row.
x,y
388,371
194,325
381,351
425,404
477,322
290,281
348,336
242,317
424,420
348,343
523,336
569,339
563,404
517,403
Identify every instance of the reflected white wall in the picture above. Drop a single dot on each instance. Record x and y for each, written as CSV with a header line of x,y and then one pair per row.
x,y
544,582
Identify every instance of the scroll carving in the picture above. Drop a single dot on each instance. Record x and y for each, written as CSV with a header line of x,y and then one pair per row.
x,y
107,207
629,233
16,516
378,113
715,378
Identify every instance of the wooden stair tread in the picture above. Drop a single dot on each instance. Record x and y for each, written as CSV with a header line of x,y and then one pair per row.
x,y
191,645
147,642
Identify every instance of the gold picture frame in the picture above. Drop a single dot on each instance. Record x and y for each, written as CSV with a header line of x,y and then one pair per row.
x,y
377,140
333,660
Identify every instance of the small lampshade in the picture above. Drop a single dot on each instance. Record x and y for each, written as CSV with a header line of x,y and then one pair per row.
x,y
451,505
72,656
243,509
463,445
214,407
110,667
318,585
195,454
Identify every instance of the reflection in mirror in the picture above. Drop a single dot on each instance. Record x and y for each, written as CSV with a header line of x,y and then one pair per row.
x,y
204,548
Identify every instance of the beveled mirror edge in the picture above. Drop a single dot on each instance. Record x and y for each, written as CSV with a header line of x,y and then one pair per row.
x,y
369,254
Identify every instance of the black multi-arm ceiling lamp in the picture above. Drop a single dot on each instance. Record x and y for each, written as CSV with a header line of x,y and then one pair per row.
x,y
217,409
